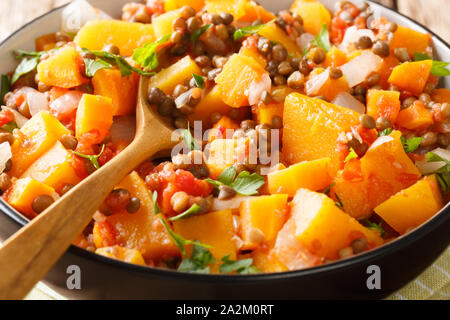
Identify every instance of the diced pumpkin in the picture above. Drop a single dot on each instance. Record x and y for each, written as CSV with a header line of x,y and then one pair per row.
x,y
312,126
219,130
214,229
321,84
265,113
383,103
122,90
415,117
290,252
414,41
38,135
46,42
266,261
413,206
312,175
63,69
54,168
236,78
104,234
122,254
127,36
389,63
253,53
142,230
223,153
23,192
335,58
313,13
162,24
386,169
411,76
254,12
441,95
235,7
88,119
176,74
323,228
210,103
266,214
170,5
274,33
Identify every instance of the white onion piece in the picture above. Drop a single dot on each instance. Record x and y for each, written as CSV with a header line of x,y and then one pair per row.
x,y
5,155
257,88
381,140
233,203
352,35
359,68
123,129
18,117
346,100
426,167
77,14
66,105
304,40
37,102
313,85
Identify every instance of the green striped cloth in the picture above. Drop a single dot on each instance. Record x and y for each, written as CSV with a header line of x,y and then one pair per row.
x,y
433,284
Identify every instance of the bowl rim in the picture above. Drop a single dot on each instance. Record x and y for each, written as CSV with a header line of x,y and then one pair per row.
x,y
384,250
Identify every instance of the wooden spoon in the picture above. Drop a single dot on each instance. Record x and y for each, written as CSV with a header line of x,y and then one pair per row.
x,y
29,254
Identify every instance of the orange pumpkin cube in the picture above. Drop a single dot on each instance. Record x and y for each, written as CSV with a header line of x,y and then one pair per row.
x,y
383,103
335,58
63,69
411,76
265,113
314,15
415,117
323,228
412,206
441,95
88,119
170,5
122,254
414,41
219,131
122,90
162,24
274,33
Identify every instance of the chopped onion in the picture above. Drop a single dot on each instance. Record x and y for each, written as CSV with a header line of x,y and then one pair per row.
x,y
37,102
257,88
352,35
123,129
77,14
380,141
316,83
358,69
346,100
65,106
233,203
18,117
304,40
426,167
5,155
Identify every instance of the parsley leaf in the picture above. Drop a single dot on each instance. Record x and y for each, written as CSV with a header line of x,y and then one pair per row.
x,y
322,40
10,126
375,227
245,184
242,32
338,203
244,266
92,158
179,241
154,195
199,260
443,173
412,144
92,66
351,155
25,66
385,132
125,68
5,87
198,33
328,189
199,80
146,56
193,210
188,139
227,176
438,68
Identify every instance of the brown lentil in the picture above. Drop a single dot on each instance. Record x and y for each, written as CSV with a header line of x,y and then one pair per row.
x,y
359,245
66,188
318,55
392,26
272,68
408,102
179,24
133,205
443,140
429,139
219,61
429,88
8,166
279,80
364,42
69,142
296,80
216,19
360,148
111,48
199,48
266,98
234,113
226,192
401,54
248,124
346,16
279,52
118,199
142,16
155,95
335,73
42,202
285,68
5,181
181,123
445,110
6,137
381,48
383,123
264,45
277,122
304,67
176,37
425,98
367,121
24,109
227,18
222,31
215,117
373,79
166,107
187,12
193,24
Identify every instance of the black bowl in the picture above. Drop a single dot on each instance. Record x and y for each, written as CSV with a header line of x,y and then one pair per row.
x,y
399,262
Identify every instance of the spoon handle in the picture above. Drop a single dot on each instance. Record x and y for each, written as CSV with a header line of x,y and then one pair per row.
x,y
28,255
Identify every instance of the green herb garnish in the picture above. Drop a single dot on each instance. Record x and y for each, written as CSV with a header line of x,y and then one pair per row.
x,y
28,63
412,144
438,68
443,173
242,32
245,184
199,81
154,195
198,33
199,260
92,158
244,266
92,66
328,189
385,132
146,56
10,126
193,210
5,87
188,139
352,155
338,203
322,40
375,227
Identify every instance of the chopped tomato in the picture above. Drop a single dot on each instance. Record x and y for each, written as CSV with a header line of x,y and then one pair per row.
x,y
6,116
185,181
105,235
338,28
352,171
64,108
368,135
